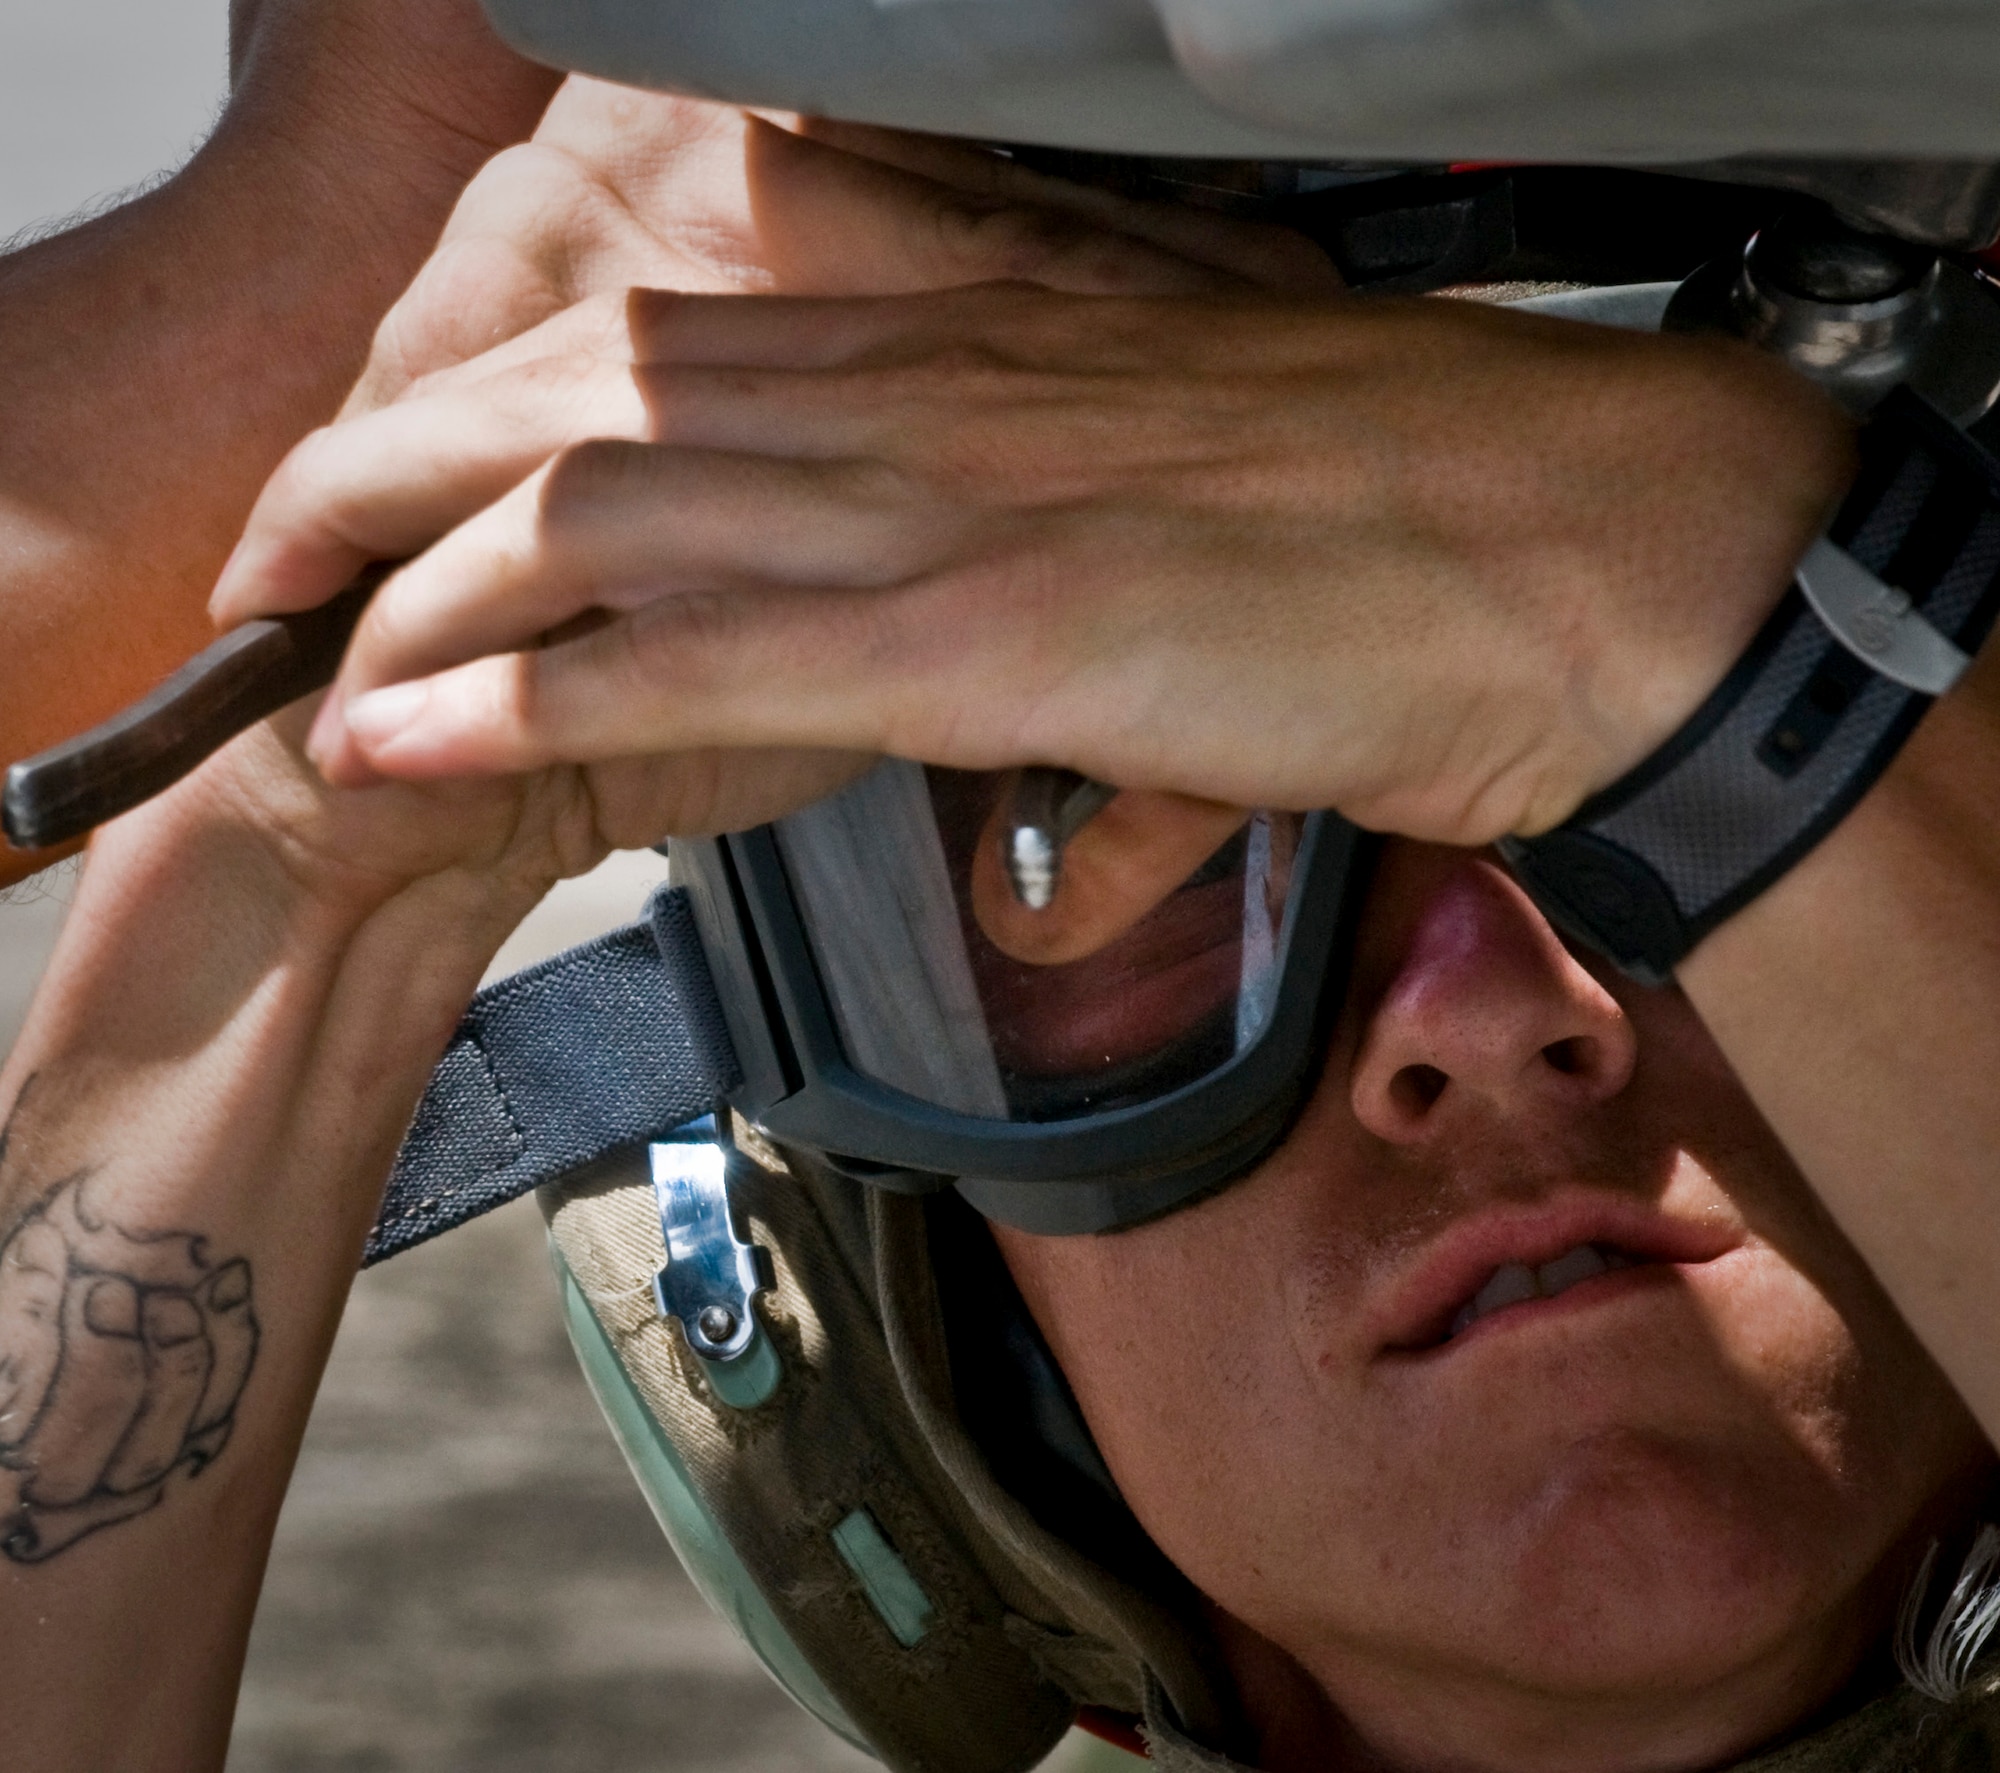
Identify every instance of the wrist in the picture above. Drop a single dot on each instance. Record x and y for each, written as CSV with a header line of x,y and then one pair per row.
x,y
421,96
1712,566
385,891
1887,611
278,1018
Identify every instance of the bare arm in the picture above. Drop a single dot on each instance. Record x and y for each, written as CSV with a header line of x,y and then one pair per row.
x,y
253,986
1859,999
159,360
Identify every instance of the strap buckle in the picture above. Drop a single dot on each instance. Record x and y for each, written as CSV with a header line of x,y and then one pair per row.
x,y
1877,623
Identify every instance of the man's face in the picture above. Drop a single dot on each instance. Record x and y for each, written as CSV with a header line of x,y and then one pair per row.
x,y
1525,1403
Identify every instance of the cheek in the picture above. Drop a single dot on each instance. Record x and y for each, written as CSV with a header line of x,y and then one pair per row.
x,y
1844,1382
1185,1369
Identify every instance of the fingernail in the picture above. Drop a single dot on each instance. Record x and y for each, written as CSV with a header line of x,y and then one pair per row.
x,y
383,715
221,597
329,727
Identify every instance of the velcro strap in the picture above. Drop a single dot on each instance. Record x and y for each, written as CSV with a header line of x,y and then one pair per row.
x,y
610,1044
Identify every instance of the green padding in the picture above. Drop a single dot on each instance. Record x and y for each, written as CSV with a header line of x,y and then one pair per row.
x,y
906,1610
709,1559
751,1377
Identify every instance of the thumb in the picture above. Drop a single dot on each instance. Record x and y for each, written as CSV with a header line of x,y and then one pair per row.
x,y
1260,254
841,224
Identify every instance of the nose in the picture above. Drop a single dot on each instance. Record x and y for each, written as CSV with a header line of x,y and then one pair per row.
x,y
1483,1009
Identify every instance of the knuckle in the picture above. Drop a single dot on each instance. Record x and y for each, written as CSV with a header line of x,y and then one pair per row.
x,y
297,481
511,707
530,183
314,492
582,477
1004,240
388,630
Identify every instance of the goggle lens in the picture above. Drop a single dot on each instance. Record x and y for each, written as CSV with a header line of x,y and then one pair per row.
x,y
894,879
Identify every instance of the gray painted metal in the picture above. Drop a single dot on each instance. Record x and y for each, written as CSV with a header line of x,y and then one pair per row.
x,y
1402,80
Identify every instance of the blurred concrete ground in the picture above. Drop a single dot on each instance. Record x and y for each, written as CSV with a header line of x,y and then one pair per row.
x,y
465,1579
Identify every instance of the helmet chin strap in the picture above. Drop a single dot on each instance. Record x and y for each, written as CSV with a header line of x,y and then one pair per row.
x,y
613,1044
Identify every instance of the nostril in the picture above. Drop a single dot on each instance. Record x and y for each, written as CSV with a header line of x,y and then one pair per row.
x,y
1415,1088
1572,1057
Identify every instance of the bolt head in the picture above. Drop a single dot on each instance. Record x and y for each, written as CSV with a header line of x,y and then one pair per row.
x,y
717,1323
1822,260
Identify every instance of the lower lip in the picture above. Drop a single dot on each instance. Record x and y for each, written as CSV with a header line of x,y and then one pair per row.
x,y
1602,1289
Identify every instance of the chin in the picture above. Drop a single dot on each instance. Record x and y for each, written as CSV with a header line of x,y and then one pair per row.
x,y
1649,1561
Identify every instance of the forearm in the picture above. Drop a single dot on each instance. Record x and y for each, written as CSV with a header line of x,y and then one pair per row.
x,y
1859,1000
159,361
218,1054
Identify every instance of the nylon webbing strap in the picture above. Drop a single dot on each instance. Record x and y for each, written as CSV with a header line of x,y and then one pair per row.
x,y
613,1043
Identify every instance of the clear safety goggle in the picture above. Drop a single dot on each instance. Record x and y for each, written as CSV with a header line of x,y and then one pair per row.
x,y
883,1015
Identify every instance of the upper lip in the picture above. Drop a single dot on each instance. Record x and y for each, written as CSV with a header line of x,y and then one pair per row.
x,y
1450,1270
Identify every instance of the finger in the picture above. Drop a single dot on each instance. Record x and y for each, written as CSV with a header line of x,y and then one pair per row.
x,y
839,223
386,485
96,1394
542,226
615,526
819,667
626,689
1114,871
472,296
620,526
1265,254
596,326
33,1268
178,1361
996,328
784,332
639,801
170,1260
230,1322
1014,324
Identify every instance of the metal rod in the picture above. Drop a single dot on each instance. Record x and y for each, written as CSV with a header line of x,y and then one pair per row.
x,y
1047,808
251,672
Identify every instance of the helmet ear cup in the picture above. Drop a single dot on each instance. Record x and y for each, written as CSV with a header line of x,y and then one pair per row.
x,y
815,1520
1131,1633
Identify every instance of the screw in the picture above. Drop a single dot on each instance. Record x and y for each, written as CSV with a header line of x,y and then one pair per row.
x,y
717,1323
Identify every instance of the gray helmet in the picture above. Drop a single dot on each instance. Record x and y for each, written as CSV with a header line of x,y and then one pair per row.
x,y
1628,81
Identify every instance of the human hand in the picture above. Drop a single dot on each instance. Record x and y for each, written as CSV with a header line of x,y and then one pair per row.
x,y
1444,568
622,189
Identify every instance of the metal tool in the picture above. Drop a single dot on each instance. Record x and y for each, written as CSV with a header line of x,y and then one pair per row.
x,y
250,672
1047,808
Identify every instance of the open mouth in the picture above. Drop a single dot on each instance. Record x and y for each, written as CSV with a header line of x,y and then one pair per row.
x,y
1508,1264
1515,1283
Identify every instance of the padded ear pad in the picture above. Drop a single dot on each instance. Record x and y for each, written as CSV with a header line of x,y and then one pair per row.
x,y
1017,1406
848,1553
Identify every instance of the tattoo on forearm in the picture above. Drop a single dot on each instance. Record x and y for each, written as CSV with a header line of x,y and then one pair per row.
x,y
122,1356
